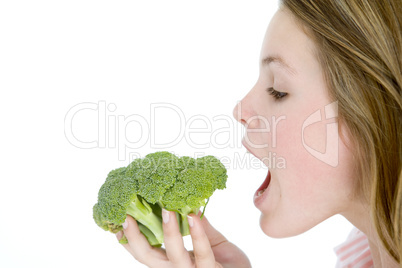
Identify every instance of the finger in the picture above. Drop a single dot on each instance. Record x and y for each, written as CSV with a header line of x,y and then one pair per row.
x,y
119,236
175,250
203,254
138,245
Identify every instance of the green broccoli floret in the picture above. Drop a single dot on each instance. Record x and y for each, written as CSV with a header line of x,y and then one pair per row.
x,y
159,180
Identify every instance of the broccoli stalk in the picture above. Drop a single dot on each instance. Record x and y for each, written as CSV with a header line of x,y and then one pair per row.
x,y
183,220
149,220
160,180
140,210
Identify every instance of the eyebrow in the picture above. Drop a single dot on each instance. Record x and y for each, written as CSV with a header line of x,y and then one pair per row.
x,y
279,60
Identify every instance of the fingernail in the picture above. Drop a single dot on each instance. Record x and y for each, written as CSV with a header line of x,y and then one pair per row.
x,y
190,221
165,216
125,224
119,235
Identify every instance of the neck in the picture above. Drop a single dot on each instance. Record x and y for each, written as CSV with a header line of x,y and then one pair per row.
x,y
359,216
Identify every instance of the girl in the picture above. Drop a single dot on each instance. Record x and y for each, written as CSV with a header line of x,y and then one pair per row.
x,y
332,71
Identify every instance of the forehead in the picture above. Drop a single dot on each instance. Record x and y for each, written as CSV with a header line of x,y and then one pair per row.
x,y
285,39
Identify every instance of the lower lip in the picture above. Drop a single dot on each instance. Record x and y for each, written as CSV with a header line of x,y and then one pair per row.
x,y
260,196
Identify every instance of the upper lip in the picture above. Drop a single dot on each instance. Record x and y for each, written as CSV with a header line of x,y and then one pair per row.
x,y
250,151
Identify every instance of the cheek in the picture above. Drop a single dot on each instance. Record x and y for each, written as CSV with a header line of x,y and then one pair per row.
x,y
314,138
305,138
319,166
286,138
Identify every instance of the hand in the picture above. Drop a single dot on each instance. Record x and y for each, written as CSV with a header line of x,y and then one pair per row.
x,y
211,249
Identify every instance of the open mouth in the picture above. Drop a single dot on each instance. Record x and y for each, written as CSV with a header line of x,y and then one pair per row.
x,y
264,185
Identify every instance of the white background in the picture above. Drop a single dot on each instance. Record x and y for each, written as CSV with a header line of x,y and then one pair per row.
x,y
201,57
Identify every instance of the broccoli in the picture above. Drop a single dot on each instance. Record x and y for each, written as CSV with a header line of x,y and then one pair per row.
x,y
159,180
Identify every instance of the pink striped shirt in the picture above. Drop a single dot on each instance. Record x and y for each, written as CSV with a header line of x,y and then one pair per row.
x,y
354,252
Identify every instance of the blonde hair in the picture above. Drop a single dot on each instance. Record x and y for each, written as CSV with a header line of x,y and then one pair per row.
x,y
359,45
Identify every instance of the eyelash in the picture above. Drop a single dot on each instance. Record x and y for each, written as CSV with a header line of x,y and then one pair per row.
x,y
276,94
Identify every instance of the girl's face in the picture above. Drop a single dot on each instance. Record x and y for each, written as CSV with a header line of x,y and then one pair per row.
x,y
291,125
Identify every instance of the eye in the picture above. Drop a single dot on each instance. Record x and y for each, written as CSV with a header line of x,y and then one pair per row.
x,y
276,94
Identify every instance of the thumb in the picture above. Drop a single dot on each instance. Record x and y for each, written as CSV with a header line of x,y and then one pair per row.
x,y
215,237
226,253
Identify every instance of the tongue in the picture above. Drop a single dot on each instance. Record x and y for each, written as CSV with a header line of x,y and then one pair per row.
x,y
265,184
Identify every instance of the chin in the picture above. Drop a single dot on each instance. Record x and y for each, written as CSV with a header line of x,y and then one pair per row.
x,y
281,229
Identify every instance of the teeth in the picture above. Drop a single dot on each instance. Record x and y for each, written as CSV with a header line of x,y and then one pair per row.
x,y
260,192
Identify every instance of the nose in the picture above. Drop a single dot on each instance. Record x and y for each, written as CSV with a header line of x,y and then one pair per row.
x,y
237,113
243,111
